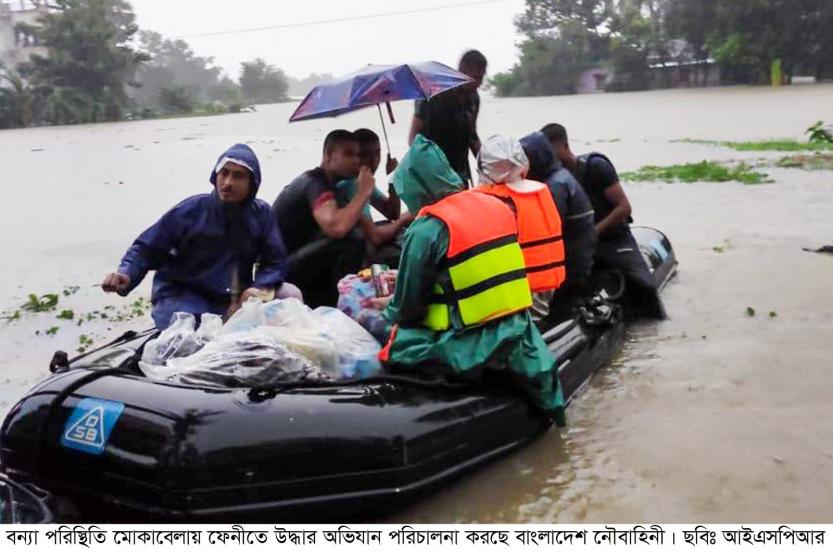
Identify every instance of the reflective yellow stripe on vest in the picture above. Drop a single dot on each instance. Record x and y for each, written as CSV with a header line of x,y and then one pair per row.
x,y
438,318
489,281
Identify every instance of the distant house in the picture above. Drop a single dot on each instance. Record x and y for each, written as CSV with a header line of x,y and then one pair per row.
x,y
593,80
16,43
677,66
680,67
693,73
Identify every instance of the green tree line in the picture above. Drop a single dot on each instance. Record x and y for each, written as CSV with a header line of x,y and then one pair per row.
x,y
100,67
751,41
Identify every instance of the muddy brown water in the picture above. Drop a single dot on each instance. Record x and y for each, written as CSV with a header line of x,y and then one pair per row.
x,y
712,416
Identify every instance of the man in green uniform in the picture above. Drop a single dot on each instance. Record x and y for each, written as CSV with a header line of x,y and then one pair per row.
x,y
480,320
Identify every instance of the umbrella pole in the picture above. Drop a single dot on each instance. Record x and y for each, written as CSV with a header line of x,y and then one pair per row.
x,y
384,129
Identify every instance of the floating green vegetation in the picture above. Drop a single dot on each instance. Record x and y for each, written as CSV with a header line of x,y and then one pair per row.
x,y
52,331
44,303
85,343
705,171
818,133
66,314
750,311
11,316
70,290
784,145
820,161
773,314
721,248
775,145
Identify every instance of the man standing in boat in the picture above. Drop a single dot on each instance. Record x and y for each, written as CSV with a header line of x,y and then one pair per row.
x,y
616,248
205,248
450,119
462,296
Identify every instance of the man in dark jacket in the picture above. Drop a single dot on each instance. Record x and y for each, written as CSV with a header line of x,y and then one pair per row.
x,y
617,248
204,249
573,206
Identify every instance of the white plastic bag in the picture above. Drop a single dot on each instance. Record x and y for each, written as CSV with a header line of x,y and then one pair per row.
x,y
244,359
311,344
296,326
178,340
357,349
288,312
337,344
210,326
249,316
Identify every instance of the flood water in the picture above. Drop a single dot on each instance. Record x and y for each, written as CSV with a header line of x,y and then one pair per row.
x,y
712,416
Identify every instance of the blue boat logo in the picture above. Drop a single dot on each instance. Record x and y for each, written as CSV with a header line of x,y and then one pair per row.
x,y
88,427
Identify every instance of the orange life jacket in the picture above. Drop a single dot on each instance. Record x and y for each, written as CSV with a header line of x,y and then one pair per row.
x,y
484,262
539,232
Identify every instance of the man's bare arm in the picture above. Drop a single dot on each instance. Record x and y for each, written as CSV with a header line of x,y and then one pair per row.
x,y
390,207
337,222
616,196
380,235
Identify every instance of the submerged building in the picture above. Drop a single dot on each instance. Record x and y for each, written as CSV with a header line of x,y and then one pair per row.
x,y
17,42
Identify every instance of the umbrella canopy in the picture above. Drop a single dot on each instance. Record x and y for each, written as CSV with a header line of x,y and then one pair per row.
x,y
378,84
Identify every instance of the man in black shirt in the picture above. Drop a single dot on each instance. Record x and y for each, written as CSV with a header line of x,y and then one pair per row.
x,y
617,247
450,119
319,235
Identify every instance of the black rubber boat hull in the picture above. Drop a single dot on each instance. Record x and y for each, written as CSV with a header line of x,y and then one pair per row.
x,y
177,453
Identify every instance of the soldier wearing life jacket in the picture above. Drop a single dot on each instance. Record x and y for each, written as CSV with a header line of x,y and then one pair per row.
x,y
462,295
503,166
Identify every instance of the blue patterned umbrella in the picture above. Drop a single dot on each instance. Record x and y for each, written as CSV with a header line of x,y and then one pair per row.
x,y
378,84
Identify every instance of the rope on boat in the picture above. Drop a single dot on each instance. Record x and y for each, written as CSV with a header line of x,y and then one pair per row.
x,y
265,392
55,404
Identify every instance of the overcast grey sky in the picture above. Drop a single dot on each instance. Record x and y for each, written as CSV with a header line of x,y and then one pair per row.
x,y
337,48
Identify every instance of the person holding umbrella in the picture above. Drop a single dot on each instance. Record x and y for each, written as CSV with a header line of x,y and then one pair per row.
x,y
447,101
370,155
450,119
382,236
308,206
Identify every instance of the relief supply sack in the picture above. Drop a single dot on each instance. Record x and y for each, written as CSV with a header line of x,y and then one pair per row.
x,y
245,359
357,349
179,339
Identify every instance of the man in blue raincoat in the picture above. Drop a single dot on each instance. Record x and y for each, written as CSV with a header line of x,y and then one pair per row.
x,y
205,248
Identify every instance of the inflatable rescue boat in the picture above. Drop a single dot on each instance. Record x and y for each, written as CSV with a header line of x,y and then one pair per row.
x,y
107,444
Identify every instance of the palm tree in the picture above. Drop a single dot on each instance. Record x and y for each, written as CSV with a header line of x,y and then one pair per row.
x,y
15,100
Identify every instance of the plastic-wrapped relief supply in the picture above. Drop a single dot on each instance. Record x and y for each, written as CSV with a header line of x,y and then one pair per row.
x,y
179,339
357,349
261,344
244,359
339,345
210,327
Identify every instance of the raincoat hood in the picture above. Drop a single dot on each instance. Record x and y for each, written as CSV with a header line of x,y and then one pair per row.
x,y
424,176
240,154
542,162
501,160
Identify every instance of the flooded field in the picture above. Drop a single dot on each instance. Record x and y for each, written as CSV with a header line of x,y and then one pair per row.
x,y
715,415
